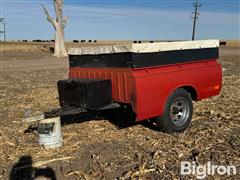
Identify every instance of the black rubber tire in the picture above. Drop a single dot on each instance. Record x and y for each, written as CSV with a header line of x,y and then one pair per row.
x,y
165,123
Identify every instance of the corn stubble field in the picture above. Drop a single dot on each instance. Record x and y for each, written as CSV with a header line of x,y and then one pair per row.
x,y
108,149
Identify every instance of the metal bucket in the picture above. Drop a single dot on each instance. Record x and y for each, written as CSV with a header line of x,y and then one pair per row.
x,y
49,131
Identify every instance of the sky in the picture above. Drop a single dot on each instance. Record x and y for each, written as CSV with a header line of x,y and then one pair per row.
x,y
124,19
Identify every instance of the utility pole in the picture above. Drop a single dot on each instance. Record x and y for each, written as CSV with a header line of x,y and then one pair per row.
x,y
195,17
3,22
4,30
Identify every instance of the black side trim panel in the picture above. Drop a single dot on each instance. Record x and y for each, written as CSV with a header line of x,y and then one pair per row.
x,y
138,60
100,60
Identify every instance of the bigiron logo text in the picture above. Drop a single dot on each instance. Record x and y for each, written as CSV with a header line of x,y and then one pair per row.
x,y
202,171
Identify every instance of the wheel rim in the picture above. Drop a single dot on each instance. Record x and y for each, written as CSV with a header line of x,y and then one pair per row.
x,y
179,111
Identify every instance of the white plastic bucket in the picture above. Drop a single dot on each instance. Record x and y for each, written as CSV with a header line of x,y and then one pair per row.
x,y
49,131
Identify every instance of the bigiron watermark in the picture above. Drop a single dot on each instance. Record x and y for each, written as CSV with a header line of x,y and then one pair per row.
x,y
202,171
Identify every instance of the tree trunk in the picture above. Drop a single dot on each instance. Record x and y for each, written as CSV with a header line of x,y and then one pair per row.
x,y
59,25
60,50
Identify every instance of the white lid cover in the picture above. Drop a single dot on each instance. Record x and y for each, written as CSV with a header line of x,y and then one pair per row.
x,y
145,47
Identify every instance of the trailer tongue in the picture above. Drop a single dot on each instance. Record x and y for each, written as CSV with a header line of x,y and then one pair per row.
x,y
155,80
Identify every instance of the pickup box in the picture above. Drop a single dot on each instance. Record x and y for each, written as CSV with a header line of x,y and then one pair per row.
x,y
156,81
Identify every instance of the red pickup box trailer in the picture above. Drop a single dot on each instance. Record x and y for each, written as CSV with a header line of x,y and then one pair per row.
x,y
158,81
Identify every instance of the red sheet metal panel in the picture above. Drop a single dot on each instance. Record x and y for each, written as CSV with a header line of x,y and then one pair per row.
x,y
154,85
122,80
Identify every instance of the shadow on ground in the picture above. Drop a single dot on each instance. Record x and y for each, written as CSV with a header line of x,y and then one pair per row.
x,y
24,169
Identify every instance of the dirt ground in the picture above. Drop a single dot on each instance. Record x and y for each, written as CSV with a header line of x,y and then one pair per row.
x,y
109,149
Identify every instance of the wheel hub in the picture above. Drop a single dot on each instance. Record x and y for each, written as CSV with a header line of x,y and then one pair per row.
x,y
179,111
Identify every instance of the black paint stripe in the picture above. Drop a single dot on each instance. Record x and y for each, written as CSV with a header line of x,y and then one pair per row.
x,y
138,60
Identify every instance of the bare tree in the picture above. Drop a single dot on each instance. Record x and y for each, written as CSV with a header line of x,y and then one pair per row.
x,y
58,24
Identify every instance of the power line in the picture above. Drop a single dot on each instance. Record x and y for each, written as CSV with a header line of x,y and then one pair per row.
x,y
195,17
